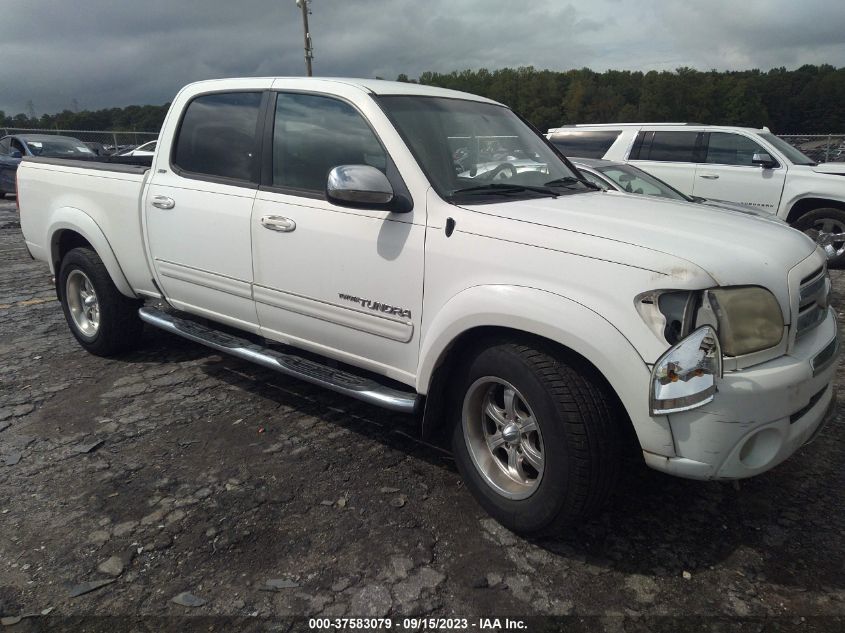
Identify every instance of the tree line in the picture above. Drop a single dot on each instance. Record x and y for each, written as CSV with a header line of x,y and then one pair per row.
x,y
147,118
807,100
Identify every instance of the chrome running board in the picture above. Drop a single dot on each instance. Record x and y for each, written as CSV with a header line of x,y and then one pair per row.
x,y
305,369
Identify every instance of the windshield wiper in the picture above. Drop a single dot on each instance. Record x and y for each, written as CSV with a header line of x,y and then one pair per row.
x,y
567,181
498,188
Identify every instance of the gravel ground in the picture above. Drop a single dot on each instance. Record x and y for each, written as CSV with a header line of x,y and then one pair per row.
x,y
177,470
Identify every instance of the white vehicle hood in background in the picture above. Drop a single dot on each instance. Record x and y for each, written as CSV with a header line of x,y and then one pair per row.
x,y
829,168
733,248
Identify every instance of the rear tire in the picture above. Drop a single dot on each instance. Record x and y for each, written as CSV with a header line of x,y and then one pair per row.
x,y
826,227
104,321
542,480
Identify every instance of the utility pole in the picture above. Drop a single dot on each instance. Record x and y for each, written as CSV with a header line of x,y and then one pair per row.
x,y
309,50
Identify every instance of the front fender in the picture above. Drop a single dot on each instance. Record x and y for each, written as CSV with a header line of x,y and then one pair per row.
x,y
76,220
559,319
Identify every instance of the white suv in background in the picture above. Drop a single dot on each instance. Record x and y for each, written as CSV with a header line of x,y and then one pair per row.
x,y
745,165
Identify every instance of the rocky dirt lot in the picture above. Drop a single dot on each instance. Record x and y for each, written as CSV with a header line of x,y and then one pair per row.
x,y
177,482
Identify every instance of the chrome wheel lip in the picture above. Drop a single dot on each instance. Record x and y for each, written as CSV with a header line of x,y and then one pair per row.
x,y
503,469
83,304
830,235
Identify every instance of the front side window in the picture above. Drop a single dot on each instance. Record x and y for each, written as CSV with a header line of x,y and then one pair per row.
x,y
793,154
471,150
675,147
725,148
218,135
313,134
17,145
584,144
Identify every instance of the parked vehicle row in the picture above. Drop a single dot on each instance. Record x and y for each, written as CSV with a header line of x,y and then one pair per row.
x,y
14,147
546,326
147,149
625,178
742,165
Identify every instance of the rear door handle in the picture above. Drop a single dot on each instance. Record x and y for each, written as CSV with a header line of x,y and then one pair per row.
x,y
163,202
278,223
709,176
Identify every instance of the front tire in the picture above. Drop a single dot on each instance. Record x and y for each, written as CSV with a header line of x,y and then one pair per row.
x,y
534,436
104,321
826,227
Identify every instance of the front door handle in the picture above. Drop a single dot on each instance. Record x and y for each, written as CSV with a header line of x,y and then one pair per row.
x,y
709,176
278,223
163,202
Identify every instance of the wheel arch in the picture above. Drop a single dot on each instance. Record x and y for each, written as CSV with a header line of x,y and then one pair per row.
x,y
570,327
70,228
805,205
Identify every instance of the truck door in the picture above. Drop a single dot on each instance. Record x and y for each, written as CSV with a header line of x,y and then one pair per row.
x,y
345,282
199,203
727,173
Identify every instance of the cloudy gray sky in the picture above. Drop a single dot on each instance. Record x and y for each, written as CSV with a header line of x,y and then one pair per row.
x,y
104,53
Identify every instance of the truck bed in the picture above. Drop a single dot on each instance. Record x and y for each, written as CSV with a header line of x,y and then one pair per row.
x,y
98,198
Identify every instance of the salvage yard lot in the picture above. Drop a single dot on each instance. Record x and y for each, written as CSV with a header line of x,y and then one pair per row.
x,y
175,469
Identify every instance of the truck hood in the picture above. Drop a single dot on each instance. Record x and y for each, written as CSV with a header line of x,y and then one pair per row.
x,y
731,247
837,169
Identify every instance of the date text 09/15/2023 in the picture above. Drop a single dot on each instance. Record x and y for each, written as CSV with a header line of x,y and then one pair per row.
x,y
415,624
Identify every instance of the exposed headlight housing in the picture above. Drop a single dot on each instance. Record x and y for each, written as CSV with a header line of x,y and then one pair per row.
x,y
685,377
748,318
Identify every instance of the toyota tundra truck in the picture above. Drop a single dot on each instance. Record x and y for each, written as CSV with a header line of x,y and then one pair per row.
x,y
431,252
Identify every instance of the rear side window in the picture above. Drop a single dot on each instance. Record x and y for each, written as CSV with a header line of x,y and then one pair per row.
x,y
676,147
218,136
5,146
725,148
313,134
585,144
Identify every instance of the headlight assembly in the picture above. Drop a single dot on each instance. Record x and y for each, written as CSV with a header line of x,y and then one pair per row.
x,y
685,377
749,319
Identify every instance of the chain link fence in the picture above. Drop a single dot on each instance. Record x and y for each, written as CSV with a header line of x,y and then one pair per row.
x,y
111,140
822,148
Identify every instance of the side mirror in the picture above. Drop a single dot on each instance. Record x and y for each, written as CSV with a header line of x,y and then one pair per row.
x,y
359,186
15,153
764,160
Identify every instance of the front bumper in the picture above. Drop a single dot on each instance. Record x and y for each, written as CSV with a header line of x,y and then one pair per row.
x,y
760,415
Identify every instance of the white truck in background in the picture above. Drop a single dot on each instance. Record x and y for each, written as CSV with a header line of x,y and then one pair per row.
x,y
356,234
735,164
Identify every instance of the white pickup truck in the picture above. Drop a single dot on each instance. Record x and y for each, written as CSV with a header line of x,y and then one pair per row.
x,y
427,251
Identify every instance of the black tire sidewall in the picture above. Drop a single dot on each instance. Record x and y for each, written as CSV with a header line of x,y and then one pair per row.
x,y
545,505
87,261
806,221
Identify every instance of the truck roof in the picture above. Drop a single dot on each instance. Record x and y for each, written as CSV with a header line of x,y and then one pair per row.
x,y
373,86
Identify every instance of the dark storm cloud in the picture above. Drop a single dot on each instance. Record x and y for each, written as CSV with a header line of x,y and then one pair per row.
x,y
104,53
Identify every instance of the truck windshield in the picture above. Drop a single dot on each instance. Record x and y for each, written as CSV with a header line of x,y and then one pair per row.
x,y
795,156
479,151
